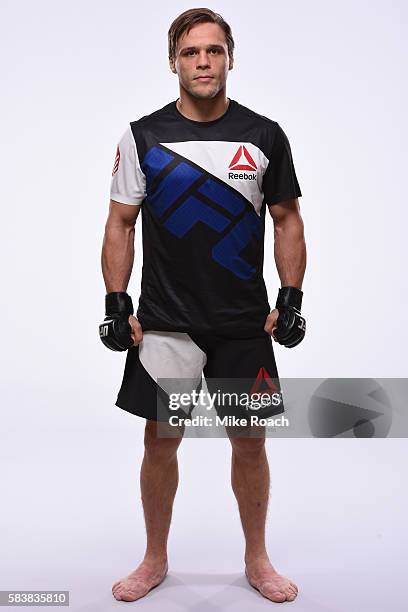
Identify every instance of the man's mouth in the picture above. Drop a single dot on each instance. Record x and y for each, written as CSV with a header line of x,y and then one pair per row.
x,y
203,78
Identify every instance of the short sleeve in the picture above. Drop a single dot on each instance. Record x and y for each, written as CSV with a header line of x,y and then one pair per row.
x,y
128,184
280,181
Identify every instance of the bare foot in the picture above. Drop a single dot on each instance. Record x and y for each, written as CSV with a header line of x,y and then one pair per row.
x,y
262,576
138,583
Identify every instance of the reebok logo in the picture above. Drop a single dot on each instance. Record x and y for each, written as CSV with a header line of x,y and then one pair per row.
x,y
263,377
242,160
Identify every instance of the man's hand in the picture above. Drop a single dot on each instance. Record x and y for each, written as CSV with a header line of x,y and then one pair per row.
x,y
137,332
285,319
120,329
270,324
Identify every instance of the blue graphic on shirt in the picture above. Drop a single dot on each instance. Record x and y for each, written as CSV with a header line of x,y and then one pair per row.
x,y
227,251
192,210
172,186
155,160
223,197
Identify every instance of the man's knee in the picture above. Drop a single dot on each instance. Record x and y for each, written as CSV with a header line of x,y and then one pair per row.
x,y
159,443
247,446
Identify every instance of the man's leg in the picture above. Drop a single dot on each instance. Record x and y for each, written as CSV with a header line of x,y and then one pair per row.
x,y
158,483
250,483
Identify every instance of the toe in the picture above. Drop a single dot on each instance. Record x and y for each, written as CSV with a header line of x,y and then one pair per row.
x,y
116,595
273,593
278,596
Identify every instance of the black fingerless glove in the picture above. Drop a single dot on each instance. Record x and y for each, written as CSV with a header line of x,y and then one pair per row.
x,y
291,326
115,329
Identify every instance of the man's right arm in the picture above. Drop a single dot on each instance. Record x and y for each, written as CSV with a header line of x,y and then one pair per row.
x,y
127,193
118,245
117,258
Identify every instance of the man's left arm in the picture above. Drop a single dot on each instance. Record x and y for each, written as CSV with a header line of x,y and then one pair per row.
x,y
290,259
281,191
289,242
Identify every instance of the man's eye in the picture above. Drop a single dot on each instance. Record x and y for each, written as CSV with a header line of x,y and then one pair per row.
x,y
192,52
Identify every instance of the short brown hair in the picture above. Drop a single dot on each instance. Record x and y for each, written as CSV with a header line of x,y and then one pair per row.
x,y
184,22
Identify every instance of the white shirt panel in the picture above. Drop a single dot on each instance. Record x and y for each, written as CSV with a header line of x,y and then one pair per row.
x,y
128,185
217,157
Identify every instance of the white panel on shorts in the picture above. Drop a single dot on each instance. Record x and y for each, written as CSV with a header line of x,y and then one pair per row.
x,y
172,355
128,185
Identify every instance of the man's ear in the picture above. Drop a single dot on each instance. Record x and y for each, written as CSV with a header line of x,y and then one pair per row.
x,y
172,66
231,63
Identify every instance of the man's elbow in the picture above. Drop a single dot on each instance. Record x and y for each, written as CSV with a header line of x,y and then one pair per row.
x,y
119,229
290,225
122,223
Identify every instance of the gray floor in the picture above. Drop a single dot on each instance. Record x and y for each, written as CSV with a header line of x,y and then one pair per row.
x,y
72,520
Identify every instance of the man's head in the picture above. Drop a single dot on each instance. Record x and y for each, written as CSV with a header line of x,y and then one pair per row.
x,y
201,43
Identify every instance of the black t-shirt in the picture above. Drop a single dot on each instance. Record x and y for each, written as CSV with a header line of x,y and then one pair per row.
x,y
203,187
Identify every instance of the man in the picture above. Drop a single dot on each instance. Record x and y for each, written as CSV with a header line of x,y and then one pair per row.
x,y
202,169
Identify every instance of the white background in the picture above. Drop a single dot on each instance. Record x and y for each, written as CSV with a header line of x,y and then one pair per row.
x,y
73,76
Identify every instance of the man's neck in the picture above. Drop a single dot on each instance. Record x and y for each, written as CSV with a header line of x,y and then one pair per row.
x,y
202,109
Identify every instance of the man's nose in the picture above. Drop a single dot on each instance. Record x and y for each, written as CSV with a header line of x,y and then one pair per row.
x,y
203,59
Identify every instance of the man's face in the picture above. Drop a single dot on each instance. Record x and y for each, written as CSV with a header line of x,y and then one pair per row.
x,y
202,51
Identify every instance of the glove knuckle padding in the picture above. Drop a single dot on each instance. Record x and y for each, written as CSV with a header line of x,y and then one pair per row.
x,y
291,326
115,330
115,334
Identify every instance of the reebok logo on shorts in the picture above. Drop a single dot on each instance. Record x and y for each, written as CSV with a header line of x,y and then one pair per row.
x,y
263,377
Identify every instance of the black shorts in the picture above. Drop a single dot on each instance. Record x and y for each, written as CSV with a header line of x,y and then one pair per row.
x,y
164,359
